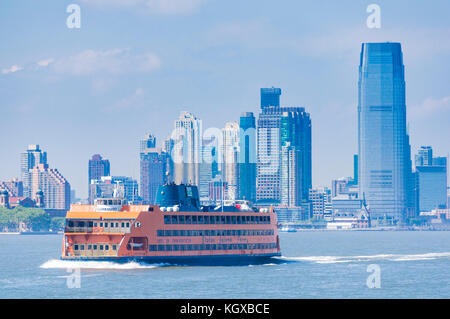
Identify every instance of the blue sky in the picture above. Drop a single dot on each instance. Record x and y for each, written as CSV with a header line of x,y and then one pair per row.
x,y
135,64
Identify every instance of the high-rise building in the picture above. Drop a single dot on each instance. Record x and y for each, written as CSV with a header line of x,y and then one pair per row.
x,y
384,163
148,142
247,157
29,159
431,180
231,159
187,147
424,156
277,127
321,202
270,97
268,156
54,187
98,167
209,167
295,136
153,169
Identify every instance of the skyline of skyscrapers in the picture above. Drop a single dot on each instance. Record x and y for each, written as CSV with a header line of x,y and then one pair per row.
x,y
269,160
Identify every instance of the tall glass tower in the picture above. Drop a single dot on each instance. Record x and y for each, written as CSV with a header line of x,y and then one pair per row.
x,y
247,154
384,160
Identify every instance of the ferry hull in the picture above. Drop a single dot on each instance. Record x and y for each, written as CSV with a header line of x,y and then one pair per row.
x,y
203,260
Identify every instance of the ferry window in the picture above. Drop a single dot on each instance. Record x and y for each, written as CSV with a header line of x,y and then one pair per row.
x,y
70,223
181,219
188,219
200,219
207,220
239,220
223,220
106,247
80,224
166,220
95,247
89,247
75,247
174,219
117,225
81,247
101,247
128,224
233,219
106,224
123,224
90,224
217,219
194,219
189,191
228,219
101,224
95,224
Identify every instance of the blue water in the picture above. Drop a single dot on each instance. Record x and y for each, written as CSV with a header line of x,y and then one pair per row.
x,y
316,265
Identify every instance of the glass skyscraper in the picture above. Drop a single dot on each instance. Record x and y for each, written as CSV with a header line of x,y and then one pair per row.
x,y
247,154
283,152
383,150
270,97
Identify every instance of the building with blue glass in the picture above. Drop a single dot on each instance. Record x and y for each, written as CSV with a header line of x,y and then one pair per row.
x,y
247,157
431,180
384,158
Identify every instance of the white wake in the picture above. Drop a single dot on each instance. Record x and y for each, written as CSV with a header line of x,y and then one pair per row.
x,y
57,263
350,259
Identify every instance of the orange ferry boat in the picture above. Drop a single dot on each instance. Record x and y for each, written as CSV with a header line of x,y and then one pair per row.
x,y
175,230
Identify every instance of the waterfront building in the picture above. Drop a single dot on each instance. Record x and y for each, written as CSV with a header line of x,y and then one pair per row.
x,y
54,187
320,199
431,180
384,162
29,159
98,167
295,135
247,157
295,139
153,169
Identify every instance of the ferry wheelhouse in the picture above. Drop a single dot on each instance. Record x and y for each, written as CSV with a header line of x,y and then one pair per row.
x,y
175,230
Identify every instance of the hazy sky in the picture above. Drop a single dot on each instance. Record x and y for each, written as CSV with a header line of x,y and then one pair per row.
x,y
135,64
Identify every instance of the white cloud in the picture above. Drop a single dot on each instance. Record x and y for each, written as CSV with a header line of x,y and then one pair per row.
x,y
12,69
45,62
431,106
115,61
165,7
